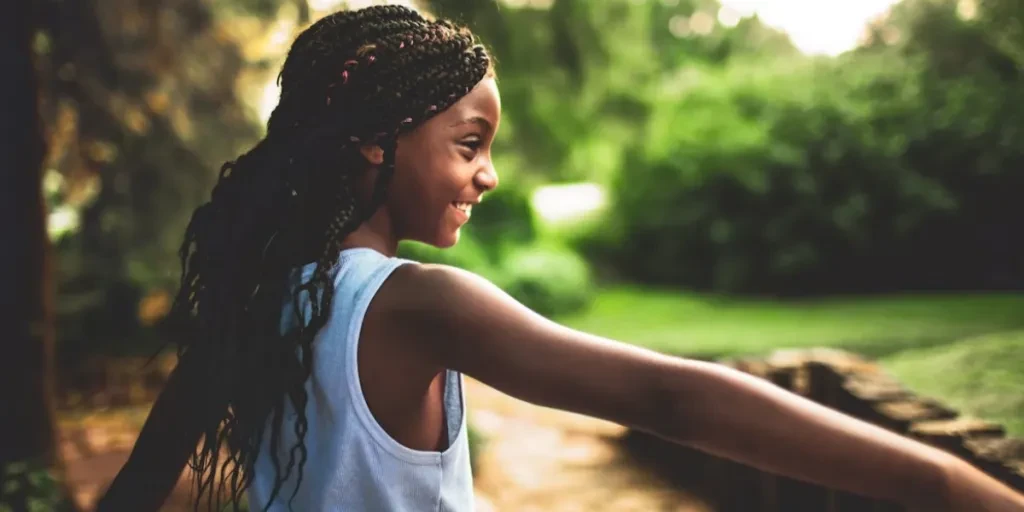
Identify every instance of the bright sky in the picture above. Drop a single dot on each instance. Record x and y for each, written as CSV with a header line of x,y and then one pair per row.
x,y
825,27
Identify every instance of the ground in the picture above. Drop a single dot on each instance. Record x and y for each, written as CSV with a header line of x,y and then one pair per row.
x,y
534,459
539,459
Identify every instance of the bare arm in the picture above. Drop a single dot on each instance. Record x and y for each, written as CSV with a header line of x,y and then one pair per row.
x,y
167,439
479,330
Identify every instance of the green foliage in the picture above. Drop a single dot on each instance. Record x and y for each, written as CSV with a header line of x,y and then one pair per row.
x,y
575,77
861,173
737,165
710,325
32,486
504,218
551,280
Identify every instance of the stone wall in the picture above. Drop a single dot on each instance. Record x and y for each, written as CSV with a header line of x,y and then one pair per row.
x,y
853,386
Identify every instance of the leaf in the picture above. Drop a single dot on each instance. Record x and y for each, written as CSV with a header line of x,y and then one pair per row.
x,y
16,468
11,486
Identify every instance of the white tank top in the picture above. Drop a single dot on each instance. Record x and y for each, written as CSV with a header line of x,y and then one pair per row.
x,y
352,463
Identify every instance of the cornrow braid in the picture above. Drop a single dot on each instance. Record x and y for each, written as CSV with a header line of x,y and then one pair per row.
x,y
352,78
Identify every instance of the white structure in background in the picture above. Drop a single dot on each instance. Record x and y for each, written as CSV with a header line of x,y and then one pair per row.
x,y
816,27
556,204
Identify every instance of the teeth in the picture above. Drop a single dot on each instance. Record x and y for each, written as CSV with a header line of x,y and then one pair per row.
x,y
465,207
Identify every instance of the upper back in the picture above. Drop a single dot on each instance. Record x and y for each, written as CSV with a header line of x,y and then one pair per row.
x,y
352,462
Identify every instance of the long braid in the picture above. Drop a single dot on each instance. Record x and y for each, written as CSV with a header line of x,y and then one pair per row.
x,y
351,79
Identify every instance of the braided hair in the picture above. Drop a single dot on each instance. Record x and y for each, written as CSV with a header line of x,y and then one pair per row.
x,y
353,78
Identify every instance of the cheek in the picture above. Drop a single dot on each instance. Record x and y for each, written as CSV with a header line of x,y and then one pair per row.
x,y
413,196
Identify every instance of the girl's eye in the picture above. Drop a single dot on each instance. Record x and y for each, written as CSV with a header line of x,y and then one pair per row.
x,y
471,146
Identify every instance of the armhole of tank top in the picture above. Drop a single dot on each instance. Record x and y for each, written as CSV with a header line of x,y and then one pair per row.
x,y
363,298
459,394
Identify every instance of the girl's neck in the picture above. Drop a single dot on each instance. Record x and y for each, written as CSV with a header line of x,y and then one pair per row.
x,y
376,233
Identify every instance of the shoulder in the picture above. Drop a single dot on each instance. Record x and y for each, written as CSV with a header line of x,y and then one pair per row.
x,y
446,317
441,296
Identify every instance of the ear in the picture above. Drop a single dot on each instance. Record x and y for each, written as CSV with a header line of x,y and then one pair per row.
x,y
373,154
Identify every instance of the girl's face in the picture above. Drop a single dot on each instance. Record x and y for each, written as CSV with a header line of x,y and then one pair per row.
x,y
443,167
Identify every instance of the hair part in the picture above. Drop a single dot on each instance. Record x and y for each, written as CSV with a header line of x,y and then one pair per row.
x,y
352,78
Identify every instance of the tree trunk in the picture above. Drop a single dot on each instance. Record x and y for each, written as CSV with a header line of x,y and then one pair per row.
x,y
26,376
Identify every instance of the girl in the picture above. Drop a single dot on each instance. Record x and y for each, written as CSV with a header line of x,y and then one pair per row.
x,y
352,399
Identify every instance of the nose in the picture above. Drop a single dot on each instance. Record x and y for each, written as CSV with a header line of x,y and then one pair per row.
x,y
487,178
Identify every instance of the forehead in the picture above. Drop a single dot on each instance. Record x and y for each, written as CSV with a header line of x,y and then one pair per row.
x,y
483,101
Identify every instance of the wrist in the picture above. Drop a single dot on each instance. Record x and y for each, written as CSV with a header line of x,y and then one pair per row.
x,y
965,487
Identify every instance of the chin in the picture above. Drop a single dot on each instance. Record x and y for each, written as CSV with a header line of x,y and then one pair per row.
x,y
447,240
440,240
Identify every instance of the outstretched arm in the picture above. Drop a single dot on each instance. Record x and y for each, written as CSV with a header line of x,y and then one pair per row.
x,y
168,437
479,330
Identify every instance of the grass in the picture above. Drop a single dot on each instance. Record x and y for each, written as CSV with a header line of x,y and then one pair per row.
x,y
701,325
966,350
981,376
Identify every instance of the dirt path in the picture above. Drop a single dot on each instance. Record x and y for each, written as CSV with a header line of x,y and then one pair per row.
x,y
538,459
533,459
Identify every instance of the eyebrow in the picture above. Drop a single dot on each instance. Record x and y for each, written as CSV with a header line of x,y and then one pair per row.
x,y
475,119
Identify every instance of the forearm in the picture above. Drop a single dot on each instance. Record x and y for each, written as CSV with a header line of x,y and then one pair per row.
x,y
740,417
138,487
167,440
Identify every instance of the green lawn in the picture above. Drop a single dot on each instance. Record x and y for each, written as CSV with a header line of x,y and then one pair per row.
x,y
974,342
982,376
700,325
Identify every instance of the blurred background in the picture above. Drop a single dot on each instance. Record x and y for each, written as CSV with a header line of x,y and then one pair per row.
x,y
708,178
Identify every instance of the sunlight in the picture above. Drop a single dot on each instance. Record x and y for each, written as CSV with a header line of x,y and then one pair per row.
x,y
268,102
816,27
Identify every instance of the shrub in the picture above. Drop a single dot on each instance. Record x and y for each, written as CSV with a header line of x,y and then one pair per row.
x,y
851,175
504,219
550,280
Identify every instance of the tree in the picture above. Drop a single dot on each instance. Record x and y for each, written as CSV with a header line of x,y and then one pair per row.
x,y
144,102
26,370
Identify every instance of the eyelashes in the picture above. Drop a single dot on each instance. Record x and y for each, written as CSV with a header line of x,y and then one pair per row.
x,y
472,145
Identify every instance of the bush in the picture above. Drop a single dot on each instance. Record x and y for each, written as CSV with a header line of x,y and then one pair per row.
x,y
549,280
504,219
851,175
